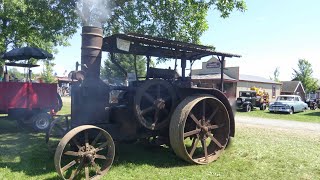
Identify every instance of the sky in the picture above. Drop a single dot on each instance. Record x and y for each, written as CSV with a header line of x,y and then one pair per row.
x,y
268,35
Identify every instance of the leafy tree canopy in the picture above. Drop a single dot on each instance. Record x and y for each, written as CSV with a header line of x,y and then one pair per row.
x,y
40,23
47,73
114,74
304,74
174,19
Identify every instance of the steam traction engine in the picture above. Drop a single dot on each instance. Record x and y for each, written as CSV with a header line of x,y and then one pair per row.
x,y
164,107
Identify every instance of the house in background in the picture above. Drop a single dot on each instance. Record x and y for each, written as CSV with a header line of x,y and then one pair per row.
x,y
210,74
293,88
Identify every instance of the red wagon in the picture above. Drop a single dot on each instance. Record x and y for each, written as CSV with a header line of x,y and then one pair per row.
x,y
28,102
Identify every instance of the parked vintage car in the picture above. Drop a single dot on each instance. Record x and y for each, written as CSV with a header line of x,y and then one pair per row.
x,y
289,104
248,100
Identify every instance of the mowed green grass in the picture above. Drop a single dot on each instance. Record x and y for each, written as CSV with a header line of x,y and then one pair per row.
x,y
254,153
307,116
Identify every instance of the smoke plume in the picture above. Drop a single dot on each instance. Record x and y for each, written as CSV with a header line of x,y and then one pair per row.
x,y
93,12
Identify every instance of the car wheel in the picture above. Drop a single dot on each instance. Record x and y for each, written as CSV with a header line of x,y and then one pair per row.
x,y
248,108
41,121
291,111
263,107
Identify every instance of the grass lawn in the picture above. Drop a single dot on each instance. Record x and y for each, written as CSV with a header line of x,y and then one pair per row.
x,y
254,153
308,116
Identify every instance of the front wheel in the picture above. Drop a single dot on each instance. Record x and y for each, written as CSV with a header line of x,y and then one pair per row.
x,y
87,148
291,111
247,108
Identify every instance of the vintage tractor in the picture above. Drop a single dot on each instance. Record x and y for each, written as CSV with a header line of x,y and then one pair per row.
x,y
28,102
255,97
163,107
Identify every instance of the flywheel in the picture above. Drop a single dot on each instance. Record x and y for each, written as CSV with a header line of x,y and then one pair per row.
x,y
154,103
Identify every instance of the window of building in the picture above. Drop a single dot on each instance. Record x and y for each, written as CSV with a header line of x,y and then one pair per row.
x,y
273,91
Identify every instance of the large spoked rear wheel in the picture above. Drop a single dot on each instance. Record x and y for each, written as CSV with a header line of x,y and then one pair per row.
x,y
199,129
85,147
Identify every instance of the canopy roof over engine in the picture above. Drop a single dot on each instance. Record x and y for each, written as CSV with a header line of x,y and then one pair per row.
x,y
138,44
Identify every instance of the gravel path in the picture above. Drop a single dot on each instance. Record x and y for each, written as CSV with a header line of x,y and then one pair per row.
x,y
295,126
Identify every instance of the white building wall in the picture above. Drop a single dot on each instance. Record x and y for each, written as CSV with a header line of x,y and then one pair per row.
x,y
245,86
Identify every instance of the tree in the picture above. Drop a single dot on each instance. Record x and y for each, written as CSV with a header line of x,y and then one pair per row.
x,y
39,23
276,74
113,73
15,73
304,74
47,73
174,19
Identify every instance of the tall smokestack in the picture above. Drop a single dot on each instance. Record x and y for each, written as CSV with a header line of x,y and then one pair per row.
x,y
91,51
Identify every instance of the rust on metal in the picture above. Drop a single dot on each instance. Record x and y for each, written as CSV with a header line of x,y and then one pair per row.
x,y
91,50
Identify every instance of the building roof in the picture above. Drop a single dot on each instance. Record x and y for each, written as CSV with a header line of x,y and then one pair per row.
x,y
251,78
291,86
213,76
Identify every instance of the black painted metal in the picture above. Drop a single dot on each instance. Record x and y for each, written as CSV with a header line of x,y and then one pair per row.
x,y
90,96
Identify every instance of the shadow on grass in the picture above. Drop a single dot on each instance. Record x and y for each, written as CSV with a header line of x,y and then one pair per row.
x,y
24,151
316,113
139,154
11,126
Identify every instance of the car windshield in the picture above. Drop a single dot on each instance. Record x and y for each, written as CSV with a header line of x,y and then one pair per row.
x,y
285,98
245,94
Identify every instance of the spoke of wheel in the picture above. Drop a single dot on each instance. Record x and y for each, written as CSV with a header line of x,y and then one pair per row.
x,y
156,117
86,139
214,140
102,146
96,139
158,91
190,133
71,153
69,165
203,111
149,97
75,172
194,146
212,115
211,127
147,110
86,171
76,142
204,146
195,119
96,167
98,156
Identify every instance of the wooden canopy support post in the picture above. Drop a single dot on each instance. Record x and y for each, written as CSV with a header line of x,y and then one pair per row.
x,y
135,66
222,60
183,66
148,66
